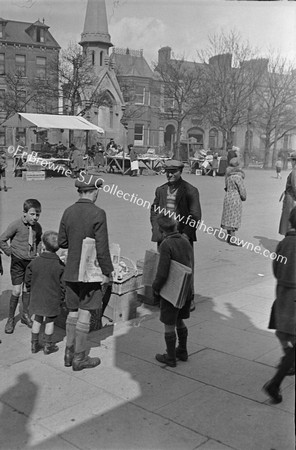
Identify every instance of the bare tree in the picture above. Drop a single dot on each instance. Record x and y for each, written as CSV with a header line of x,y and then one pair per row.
x,y
233,74
22,94
183,92
275,106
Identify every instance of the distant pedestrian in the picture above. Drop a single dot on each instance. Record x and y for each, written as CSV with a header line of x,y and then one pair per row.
x,y
278,168
83,219
25,236
44,282
3,165
289,197
231,153
177,248
215,164
134,160
76,160
234,196
285,307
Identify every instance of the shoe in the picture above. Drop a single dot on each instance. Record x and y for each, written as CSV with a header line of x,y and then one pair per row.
x,y
36,347
81,361
10,324
273,391
69,355
26,319
164,359
182,355
50,348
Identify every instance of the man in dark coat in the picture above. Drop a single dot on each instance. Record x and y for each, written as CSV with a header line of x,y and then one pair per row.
x,y
178,199
81,220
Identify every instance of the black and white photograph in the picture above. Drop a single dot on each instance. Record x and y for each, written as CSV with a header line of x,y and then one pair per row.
x,y
159,312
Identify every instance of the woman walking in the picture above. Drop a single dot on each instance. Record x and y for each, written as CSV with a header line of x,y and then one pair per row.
x,y
235,195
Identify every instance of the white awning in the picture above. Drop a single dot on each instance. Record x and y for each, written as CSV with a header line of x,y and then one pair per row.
x,y
50,121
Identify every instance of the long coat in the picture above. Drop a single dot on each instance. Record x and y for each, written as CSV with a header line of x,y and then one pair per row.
x,y
232,207
187,208
81,220
285,272
289,202
43,280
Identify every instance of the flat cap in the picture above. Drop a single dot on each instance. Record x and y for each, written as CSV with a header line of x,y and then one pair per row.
x,y
173,164
88,182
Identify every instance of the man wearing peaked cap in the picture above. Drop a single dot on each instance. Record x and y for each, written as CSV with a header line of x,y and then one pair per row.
x,y
179,197
81,220
87,182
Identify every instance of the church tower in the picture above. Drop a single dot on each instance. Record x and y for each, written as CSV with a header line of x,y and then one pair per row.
x,y
95,39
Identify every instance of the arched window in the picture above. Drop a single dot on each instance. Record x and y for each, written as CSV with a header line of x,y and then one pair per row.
x,y
213,138
101,57
93,57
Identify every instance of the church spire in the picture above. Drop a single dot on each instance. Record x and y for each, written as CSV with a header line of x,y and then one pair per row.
x,y
96,25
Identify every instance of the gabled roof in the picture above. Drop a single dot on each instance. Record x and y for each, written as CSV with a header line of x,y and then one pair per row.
x,y
131,65
15,33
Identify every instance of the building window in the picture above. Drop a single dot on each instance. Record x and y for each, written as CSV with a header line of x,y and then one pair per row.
x,y
40,35
93,57
139,134
41,67
2,138
2,100
140,95
101,58
20,64
213,138
1,31
22,97
21,136
2,63
169,104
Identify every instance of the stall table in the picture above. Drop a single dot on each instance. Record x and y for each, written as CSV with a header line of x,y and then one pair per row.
x,y
123,164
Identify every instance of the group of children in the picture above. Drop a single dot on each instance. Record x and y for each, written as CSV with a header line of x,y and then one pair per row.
x,y
38,279
37,273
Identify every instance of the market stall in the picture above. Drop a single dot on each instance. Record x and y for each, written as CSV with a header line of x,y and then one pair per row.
x,y
122,164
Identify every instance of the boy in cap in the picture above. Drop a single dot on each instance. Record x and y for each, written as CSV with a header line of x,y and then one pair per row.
x,y
24,235
81,220
179,199
173,247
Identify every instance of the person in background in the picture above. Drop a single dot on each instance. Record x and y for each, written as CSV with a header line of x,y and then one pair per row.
x,y
76,160
234,196
173,247
83,219
24,235
111,147
3,165
231,153
289,197
43,281
215,164
285,308
134,160
278,168
181,198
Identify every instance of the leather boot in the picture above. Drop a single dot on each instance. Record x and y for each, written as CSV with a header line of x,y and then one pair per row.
x,y
35,346
181,350
49,347
81,361
10,324
25,317
168,358
69,355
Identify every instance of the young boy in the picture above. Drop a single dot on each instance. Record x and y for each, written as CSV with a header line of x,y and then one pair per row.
x,y
25,236
43,281
174,247
285,308
3,165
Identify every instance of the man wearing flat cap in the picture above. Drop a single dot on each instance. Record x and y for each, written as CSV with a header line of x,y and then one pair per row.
x,y
289,195
83,219
180,198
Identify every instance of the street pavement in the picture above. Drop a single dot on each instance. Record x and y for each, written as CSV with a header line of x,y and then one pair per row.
x,y
214,400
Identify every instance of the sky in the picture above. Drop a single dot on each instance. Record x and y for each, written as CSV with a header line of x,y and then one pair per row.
x,y
183,25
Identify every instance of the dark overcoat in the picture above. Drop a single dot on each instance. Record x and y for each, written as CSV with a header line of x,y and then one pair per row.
x,y
81,220
44,281
284,270
188,210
